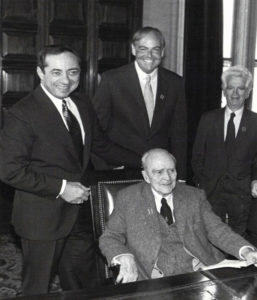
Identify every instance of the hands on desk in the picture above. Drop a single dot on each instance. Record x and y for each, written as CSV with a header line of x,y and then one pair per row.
x,y
128,269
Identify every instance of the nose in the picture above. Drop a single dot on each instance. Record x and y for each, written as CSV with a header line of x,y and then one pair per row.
x,y
167,176
149,53
235,92
65,78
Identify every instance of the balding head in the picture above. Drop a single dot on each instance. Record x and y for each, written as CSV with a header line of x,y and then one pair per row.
x,y
159,170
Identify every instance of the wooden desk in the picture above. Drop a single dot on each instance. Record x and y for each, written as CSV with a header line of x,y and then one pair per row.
x,y
222,284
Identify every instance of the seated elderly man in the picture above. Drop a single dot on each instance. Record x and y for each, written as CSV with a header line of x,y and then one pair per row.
x,y
161,227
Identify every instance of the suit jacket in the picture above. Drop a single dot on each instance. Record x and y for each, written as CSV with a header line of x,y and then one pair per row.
x,y
121,110
134,227
210,161
37,153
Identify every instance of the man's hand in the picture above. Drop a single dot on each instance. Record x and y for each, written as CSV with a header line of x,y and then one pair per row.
x,y
75,193
250,256
128,269
254,188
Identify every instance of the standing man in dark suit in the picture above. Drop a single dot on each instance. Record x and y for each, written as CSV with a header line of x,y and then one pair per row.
x,y
45,147
142,105
225,151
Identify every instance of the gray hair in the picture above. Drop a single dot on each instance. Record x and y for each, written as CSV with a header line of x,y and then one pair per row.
x,y
238,71
154,151
142,32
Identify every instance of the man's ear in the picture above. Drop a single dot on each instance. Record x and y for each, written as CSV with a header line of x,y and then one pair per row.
x,y
40,73
133,49
145,176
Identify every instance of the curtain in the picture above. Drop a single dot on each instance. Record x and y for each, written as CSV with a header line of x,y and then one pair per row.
x,y
202,62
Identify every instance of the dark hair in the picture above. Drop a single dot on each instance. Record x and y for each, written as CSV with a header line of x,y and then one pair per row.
x,y
142,32
53,50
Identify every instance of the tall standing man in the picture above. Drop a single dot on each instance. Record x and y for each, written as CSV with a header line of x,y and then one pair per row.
x,y
142,105
44,149
225,151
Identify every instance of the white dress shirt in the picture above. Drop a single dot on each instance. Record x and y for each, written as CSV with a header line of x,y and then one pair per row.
x,y
142,79
236,120
158,198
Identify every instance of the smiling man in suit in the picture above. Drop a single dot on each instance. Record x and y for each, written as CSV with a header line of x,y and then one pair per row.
x,y
161,227
45,148
142,105
225,151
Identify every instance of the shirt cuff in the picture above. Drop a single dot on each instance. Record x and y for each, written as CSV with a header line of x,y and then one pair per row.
x,y
242,248
115,260
64,182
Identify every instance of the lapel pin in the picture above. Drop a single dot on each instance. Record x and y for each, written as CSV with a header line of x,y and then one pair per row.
x,y
150,211
162,97
243,129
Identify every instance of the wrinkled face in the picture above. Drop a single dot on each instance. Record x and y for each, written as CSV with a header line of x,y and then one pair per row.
x,y
235,92
148,52
161,173
61,74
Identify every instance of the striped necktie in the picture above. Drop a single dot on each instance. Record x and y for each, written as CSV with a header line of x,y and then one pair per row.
x,y
74,129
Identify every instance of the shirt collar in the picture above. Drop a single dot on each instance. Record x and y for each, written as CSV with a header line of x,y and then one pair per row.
x,y
238,113
52,97
158,197
142,75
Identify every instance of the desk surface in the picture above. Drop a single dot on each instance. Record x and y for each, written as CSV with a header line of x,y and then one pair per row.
x,y
225,284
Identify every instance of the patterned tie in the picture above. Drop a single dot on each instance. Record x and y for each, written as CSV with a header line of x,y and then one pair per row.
x,y
74,129
149,99
231,133
166,211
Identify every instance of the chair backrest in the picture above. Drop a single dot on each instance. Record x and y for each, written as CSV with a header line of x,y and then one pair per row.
x,y
102,199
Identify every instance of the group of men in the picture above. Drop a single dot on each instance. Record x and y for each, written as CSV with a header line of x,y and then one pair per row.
x,y
158,227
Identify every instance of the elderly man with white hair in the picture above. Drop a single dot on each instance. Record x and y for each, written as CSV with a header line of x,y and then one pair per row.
x,y
224,157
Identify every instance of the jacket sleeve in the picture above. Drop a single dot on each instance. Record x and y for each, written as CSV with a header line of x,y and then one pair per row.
x,y
218,232
16,143
102,102
178,135
198,153
111,152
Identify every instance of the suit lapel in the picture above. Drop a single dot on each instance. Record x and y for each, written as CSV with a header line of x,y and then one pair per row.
x,y
243,127
219,128
137,96
55,117
180,208
151,217
87,128
162,86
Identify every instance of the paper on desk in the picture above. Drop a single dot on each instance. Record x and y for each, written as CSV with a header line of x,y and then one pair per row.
x,y
227,263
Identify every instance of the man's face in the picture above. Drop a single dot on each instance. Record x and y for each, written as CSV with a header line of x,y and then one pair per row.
x,y
148,52
61,74
161,173
235,92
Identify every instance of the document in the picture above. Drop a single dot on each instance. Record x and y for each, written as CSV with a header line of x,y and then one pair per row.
x,y
227,263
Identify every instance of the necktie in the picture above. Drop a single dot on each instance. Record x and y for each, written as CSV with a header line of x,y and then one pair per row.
x,y
149,99
166,211
74,129
231,133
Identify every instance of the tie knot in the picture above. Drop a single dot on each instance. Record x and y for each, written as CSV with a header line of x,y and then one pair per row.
x,y
232,115
148,79
164,201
